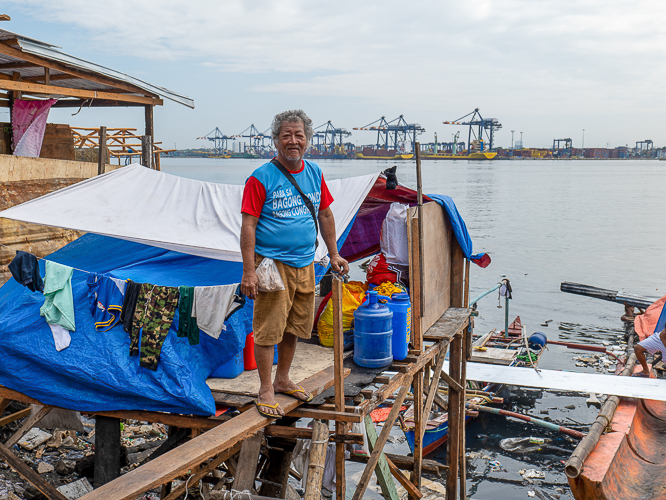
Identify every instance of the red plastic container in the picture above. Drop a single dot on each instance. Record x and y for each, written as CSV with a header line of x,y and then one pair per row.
x,y
249,362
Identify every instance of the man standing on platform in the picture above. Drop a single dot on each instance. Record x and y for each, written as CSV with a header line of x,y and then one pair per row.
x,y
279,224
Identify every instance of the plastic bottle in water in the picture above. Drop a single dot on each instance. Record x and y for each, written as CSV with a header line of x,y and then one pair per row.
x,y
523,444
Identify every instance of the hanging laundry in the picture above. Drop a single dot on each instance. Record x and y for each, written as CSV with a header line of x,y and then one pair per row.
x,y
28,125
25,270
214,304
155,309
61,337
106,301
187,324
121,284
132,290
58,308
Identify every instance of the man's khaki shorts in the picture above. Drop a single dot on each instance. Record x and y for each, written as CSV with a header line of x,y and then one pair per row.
x,y
290,310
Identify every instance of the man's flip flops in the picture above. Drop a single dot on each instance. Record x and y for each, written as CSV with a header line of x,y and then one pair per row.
x,y
296,391
640,375
275,416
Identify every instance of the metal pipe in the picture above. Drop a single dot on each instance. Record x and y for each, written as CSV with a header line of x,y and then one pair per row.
x,y
526,418
584,347
483,294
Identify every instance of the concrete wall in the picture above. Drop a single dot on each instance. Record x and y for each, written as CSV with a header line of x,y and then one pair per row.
x,y
23,168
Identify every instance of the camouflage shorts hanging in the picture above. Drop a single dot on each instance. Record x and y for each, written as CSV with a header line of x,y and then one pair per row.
x,y
155,308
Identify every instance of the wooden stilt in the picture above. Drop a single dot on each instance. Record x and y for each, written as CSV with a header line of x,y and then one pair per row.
x,y
147,151
102,160
382,471
419,424
107,450
4,403
466,348
277,470
30,475
381,441
29,423
340,427
246,470
317,461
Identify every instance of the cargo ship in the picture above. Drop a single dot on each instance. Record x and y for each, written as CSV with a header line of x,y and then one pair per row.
x,y
407,156
471,156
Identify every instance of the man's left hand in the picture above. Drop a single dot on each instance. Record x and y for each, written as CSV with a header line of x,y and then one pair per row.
x,y
339,265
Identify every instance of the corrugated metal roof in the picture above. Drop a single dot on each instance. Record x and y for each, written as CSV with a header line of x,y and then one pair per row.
x,y
48,51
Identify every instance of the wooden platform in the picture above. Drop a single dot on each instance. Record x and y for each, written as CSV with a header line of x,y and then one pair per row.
x,y
309,359
494,355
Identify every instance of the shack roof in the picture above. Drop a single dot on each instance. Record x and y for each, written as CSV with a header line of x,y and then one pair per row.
x,y
38,68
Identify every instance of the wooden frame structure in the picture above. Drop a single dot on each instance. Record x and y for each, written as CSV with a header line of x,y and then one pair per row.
x,y
440,324
30,69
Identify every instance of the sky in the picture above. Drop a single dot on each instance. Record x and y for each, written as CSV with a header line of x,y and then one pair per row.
x,y
546,68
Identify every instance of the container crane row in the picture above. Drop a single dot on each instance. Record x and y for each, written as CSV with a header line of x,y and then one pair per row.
x,y
329,139
394,134
219,140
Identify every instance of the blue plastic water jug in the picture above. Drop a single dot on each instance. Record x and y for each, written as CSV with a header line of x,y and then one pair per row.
x,y
373,332
537,341
402,324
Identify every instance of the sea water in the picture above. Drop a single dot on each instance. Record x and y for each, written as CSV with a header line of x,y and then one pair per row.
x,y
597,222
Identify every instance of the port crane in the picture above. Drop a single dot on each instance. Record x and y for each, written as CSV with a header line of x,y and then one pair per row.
x,y
477,124
559,151
259,141
644,148
327,137
394,134
219,140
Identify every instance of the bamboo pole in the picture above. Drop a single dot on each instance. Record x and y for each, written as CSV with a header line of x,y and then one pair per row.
x,y
317,460
575,463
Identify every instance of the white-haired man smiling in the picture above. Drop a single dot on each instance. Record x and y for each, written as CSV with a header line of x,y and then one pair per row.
x,y
279,224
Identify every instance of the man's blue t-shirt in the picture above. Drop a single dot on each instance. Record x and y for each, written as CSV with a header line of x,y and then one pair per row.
x,y
286,230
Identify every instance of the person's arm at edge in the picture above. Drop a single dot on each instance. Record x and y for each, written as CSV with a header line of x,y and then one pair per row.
x,y
249,281
327,227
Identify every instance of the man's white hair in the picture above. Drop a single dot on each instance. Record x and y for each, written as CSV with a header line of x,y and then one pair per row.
x,y
291,116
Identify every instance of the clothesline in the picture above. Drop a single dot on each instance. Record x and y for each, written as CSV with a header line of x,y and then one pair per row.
x,y
47,260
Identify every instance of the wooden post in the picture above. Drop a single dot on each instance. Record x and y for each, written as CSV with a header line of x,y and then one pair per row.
x,y
338,347
107,449
453,441
246,471
16,76
47,76
150,130
417,298
280,452
147,151
466,348
101,162
419,426
317,460
419,194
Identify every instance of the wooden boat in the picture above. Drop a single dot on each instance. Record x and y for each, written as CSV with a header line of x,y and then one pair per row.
x,y
629,462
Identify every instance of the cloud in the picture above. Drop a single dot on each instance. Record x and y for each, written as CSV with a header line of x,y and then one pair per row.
x,y
522,58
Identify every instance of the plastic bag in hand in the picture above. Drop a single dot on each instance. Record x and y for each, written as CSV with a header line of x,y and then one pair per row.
x,y
269,276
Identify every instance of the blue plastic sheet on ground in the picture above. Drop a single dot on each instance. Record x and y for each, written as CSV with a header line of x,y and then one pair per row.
x,y
95,373
457,224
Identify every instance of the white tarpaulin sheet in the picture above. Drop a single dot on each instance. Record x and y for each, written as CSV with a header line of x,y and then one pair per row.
x,y
166,211
631,387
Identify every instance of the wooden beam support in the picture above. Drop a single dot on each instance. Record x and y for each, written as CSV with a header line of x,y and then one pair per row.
x,y
246,470
338,358
432,391
382,471
29,423
107,450
405,463
403,480
463,397
338,416
456,419
6,49
457,388
96,103
36,88
15,416
15,65
420,420
177,462
30,475
4,403
415,278
381,441
179,490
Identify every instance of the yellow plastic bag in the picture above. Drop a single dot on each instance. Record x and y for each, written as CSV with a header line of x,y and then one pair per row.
x,y
353,294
